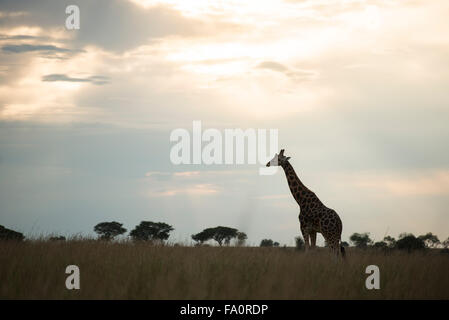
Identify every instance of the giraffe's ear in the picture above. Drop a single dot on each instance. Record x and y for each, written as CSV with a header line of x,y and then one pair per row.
x,y
288,158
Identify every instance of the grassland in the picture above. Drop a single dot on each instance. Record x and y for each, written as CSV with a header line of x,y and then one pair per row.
x,y
36,270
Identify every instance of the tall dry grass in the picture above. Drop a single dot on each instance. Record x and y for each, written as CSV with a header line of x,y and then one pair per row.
x,y
126,270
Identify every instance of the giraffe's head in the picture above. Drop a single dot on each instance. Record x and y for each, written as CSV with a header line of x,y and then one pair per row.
x,y
278,159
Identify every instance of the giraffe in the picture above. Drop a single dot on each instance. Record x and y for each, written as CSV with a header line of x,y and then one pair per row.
x,y
314,216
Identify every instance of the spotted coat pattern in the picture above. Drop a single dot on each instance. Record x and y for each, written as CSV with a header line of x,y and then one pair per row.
x,y
314,216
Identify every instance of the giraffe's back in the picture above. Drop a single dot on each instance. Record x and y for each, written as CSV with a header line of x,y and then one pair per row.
x,y
330,224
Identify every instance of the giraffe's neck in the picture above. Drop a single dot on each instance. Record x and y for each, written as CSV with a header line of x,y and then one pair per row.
x,y
297,188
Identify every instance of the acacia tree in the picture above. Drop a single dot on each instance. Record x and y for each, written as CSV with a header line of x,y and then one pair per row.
x,y
203,236
361,240
380,245
430,240
300,244
8,234
409,242
148,230
266,243
241,238
269,243
390,241
109,230
446,243
219,234
224,234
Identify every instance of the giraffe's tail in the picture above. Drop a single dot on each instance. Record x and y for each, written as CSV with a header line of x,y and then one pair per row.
x,y
343,251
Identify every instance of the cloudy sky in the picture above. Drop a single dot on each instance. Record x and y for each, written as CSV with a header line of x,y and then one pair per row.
x,y
357,90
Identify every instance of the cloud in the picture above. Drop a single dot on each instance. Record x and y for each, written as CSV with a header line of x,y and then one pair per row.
x,y
297,75
274,66
20,48
273,196
12,14
192,190
205,174
46,51
114,25
194,183
164,176
17,37
156,174
98,80
186,173
424,183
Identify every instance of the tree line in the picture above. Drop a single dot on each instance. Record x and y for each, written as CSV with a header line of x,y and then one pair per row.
x,y
160,231
405,241
146,231
222,235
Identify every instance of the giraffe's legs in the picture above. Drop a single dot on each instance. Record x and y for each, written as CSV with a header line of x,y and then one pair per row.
x,y
306,241
312,240
305,235
334,247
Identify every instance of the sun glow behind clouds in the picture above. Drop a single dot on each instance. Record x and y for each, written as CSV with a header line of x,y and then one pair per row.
x,y
305,37
432,182
235,10
284,32
190,190
53,100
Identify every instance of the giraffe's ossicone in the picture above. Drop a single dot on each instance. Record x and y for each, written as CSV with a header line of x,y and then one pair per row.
x,y
314,216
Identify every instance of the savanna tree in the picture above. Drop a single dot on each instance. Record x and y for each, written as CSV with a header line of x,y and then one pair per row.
x,y
446,243
409,242
361,240
241,238
266,243
390,241
203,236
380,245
109,230
430,240
151,231
299,242
224,234
8,234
